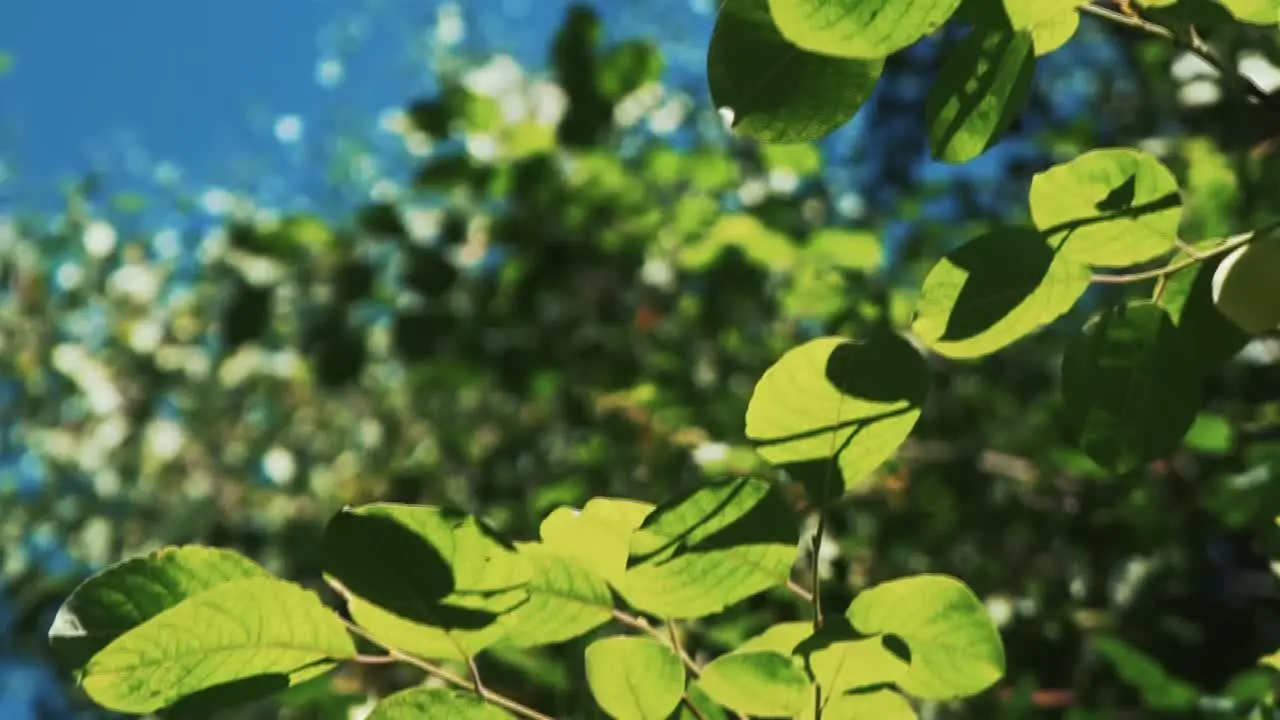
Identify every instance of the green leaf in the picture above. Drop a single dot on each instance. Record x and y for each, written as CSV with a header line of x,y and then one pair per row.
x,y
804,159
708,709
258,633
717,545
1109,208
983,84
628,66
423,703
598,535
758,242
834,398
1258,12
1187,296
848,665
758,682
845,249
881,705
1245,289
1051,22
634,678
425,580
865,29
780,638
777,92
566,599
995,290
1160,690
125,595
1210,434
1130,386
954,646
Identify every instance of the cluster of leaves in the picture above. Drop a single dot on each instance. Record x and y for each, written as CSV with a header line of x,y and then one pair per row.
x,y
437,588
195,628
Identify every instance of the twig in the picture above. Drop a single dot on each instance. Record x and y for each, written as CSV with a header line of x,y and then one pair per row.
x,y
1192,42
799,591
395,655
440,673
644,626
1231,243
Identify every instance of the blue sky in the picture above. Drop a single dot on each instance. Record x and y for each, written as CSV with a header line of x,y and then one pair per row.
x,y
201,83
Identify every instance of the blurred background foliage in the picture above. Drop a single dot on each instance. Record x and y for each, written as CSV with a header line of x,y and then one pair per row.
x,y
534,283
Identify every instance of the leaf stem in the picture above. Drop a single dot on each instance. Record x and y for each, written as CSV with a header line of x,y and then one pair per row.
x,y
396,655
1191,42
435,671
799,591
1231,243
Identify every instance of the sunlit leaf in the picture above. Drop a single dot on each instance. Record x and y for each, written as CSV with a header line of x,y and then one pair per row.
x,y
853,402
1109,208
247,637
423,703
866,29
757,682
713,547
566,599
954,646
127,594
634,678
995,290
426,580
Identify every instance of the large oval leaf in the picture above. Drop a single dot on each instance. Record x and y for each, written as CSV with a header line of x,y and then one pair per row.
x,y
865,29
423,703
833,398
775,91
598,535
1108,208
1131,386
634,678
127,594
955,648
980,90
1051,22
252,636
566,599
995,290
719,544
425,580
758,682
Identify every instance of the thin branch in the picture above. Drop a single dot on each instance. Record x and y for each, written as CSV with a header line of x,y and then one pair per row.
x,y
434,671
644,626
799,591
1192,42
1231,243
364,659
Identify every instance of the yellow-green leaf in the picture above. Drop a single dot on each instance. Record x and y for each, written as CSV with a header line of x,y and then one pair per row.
x,y
634,678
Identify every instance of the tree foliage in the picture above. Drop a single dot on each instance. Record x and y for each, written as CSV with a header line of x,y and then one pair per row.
x,y
435,587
